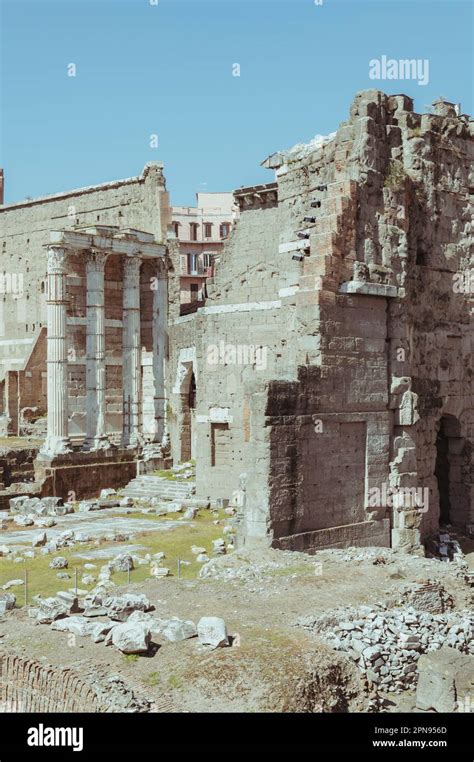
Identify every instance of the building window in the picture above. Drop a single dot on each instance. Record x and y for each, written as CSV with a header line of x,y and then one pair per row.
x,y
194,292
193,231
208,230
192,264
176,229
224,229
220,444
206,259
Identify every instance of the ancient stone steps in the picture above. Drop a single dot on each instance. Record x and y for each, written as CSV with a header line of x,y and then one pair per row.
x,y
149,486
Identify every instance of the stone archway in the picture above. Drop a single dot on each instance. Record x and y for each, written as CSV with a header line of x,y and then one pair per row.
x,y
453,456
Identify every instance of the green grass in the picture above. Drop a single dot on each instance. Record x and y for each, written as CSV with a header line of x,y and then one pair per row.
x,y
152,679
175,682
175,543
286,571
130,658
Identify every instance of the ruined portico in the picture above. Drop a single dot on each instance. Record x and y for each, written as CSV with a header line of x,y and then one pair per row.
x,y
106,324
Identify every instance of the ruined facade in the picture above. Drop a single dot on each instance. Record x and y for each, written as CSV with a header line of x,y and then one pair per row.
x,y
325,388
81,260
333,360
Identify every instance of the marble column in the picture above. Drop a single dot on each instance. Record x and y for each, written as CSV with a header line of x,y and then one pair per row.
x,y
160,348
96,438
57,441
131,369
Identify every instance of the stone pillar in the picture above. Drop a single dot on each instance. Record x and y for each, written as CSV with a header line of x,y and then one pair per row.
x,y
57,441
96,438
131,369
160,348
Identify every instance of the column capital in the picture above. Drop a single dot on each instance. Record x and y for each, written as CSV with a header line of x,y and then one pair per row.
x,y
57,259
131,264
95,260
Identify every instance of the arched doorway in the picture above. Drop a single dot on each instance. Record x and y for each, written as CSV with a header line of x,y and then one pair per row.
x,y
451,471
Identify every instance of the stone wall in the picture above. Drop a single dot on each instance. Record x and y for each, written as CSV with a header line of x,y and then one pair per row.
x,y
367,341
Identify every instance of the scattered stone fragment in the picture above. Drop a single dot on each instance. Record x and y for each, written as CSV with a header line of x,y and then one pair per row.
x,y
104,493
51,609
78,625
218,546
212,631
100,631
121,606
176,629
58,563
13,583
159,571
131,638
39,539
7,602
122,562
23,521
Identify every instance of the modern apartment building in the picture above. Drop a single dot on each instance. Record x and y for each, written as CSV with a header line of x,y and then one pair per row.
x,y
201,231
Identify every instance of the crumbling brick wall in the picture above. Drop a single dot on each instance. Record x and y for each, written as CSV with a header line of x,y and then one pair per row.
x,y
28,686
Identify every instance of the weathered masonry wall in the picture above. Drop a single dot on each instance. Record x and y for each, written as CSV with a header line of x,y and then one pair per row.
x,y
357,284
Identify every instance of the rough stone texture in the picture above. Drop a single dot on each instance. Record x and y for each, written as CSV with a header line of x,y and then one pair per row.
x,y
365,340
446,680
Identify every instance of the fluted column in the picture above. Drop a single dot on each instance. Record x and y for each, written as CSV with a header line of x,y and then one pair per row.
x,y
57,441
96,438
160,346
131,370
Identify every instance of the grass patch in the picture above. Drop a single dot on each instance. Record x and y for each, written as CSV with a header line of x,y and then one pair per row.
x,y
130,658
175,682
286,571
175,543
152,679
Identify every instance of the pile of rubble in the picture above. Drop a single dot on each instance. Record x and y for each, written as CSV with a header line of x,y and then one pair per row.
x,y
239,566
122,620
387,643
35,506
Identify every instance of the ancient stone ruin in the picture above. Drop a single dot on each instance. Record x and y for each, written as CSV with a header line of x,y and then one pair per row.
x,y
325,387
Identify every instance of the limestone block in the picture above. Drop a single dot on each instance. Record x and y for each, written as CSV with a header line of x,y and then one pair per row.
x,y
446,677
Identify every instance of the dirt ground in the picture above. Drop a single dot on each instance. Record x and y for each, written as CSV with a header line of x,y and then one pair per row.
x,y
272,665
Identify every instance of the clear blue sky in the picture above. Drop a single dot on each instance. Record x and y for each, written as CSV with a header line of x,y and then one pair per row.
x,y
167,69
